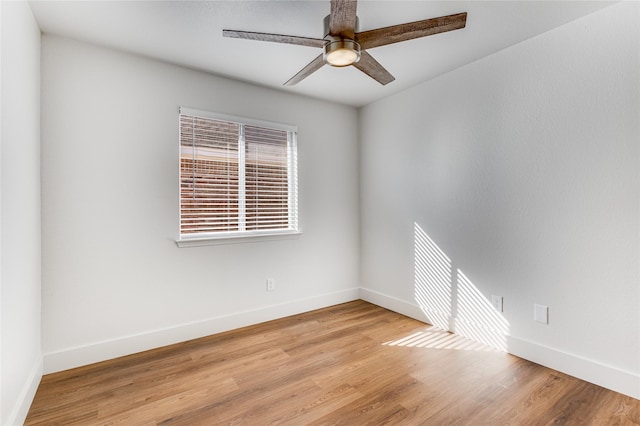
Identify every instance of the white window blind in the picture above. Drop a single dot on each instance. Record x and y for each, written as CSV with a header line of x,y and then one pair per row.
x,y
237,177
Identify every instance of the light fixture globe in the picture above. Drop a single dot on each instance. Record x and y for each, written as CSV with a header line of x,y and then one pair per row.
x,y
341,53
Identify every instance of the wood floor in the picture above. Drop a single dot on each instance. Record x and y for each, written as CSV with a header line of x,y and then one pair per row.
x,y
350,364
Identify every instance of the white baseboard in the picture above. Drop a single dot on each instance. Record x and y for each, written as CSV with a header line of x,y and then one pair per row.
x,y
624,382
615,379
393,304
101,351
18,413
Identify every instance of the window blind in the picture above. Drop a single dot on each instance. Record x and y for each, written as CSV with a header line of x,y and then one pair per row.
x,y
236,178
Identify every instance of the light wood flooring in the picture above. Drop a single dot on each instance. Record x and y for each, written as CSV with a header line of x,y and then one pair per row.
x,y
350,364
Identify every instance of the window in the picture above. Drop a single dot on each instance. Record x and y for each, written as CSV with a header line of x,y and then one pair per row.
x,y
238,177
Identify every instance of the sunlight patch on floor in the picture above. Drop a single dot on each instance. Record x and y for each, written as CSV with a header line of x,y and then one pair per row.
x,y
436,338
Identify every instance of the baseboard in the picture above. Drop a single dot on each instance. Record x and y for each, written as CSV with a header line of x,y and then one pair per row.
x,y
393,304
18,414
624,382
101,351
615,379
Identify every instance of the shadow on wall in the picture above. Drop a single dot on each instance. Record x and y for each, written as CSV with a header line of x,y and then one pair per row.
x,y
450,300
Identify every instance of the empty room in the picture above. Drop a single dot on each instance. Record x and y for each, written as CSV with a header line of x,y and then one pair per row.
x,y
320,212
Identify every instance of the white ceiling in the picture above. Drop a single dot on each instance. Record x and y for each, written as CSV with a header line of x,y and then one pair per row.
x,y
189,33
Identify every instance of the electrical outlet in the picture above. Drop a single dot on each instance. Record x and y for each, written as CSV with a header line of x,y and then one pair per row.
x,y
271,284
541,313
496,301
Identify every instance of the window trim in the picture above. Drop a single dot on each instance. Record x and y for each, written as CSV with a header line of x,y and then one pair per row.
x,y
237,119
237,237
230,237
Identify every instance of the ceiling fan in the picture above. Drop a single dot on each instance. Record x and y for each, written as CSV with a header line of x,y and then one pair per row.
x,y
343,45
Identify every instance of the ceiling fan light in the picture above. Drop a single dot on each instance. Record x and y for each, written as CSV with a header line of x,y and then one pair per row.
x,y
341,53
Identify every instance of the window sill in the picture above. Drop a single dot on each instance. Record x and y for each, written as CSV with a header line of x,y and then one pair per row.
x,y
236,238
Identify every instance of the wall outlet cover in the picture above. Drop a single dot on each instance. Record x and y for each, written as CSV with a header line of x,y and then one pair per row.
x,y
541,313
271,284
496,301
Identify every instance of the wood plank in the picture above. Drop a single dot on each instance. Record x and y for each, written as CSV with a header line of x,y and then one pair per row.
x,y
354,363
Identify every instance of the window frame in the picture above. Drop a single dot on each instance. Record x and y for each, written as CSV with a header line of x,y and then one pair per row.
x,y
227,237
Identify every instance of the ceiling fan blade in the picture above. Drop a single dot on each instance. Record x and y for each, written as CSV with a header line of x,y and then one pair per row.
x,y
368,65
305,72
342,19
411,30
277,38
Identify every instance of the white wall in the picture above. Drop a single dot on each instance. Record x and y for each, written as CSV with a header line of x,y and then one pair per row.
x,y
523,170
114,281
20,246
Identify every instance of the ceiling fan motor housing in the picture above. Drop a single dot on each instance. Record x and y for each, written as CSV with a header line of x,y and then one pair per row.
x,y
339,51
